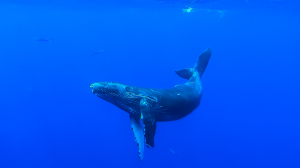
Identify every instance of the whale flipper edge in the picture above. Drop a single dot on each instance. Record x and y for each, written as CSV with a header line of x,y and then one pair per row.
x,y
138,134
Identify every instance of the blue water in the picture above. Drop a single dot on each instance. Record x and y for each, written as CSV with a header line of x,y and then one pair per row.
x,y
249,113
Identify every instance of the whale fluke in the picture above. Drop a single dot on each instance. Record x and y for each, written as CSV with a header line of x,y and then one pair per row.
x,y
200,66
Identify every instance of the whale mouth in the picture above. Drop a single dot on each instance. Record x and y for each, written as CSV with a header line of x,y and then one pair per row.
x,y
92,88
98,88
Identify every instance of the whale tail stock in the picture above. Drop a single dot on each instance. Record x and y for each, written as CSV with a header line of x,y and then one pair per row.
x,y
199,67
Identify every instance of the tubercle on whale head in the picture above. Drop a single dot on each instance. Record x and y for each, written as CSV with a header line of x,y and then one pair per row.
x,y
107,88
119,94
112,92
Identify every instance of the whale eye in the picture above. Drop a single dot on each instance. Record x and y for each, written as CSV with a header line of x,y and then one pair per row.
x,y
128,89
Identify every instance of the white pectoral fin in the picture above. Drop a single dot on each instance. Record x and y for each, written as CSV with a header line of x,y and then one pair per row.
x,y
139,135
148,121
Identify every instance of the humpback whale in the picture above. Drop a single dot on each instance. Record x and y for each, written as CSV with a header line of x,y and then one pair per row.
x,y
146,106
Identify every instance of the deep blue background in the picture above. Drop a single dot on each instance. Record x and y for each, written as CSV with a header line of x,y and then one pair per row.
x,y
249,113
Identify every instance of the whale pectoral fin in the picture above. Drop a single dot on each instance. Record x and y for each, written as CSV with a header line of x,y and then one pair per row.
x,y
149,122
186,73
139,134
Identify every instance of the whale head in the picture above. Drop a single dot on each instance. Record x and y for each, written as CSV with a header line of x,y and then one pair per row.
x,y
109,91
121,95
